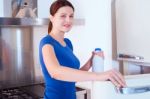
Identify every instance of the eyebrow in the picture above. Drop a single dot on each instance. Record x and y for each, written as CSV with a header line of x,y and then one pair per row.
x,y
66,13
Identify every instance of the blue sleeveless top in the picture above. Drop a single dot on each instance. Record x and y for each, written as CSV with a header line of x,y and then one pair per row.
x,y
57,89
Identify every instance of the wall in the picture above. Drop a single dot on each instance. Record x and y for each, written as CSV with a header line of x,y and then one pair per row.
x,y
96,32
1,8
43,8
7,10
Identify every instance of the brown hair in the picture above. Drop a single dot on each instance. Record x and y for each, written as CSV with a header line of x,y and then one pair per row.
x,y
54,8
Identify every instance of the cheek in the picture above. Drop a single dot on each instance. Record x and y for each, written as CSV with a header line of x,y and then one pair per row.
x,y
57,23
72,22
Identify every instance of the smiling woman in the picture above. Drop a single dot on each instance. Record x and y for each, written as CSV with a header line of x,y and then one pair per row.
x,y
59,64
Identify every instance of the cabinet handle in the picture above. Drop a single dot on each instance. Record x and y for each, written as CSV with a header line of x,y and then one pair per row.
x,y
133,90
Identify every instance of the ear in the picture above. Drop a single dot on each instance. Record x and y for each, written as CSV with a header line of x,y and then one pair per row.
x,y
51,18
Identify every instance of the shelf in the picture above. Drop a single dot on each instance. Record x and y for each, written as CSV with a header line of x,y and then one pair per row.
x,y
136,62
31,21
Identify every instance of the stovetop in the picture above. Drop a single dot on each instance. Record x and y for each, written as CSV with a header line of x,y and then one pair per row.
x,y
24,92
34,91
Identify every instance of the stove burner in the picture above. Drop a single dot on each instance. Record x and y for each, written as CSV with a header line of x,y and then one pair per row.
x,y
15,93
34,91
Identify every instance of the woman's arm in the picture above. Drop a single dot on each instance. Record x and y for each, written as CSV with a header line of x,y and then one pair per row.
x,y
68,74
88,64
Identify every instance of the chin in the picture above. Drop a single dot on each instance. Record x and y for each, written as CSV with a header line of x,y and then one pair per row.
x,y
66,30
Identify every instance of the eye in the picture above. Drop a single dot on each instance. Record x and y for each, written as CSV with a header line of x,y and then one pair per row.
x,y
63,16
71,16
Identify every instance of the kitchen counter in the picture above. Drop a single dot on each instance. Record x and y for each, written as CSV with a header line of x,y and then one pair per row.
x,y
106,90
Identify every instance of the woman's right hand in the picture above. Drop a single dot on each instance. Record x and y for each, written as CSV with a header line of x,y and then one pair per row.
x,y
115,77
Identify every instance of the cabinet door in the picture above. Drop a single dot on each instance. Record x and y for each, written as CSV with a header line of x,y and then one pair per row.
x,y
133,27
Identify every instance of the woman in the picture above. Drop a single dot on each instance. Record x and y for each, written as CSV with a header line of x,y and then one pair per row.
x,y
59,64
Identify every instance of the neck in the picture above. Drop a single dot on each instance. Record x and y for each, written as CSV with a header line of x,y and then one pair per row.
x,y
59,36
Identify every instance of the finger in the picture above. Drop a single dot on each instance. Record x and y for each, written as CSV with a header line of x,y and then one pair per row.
x,y
114,82
99,54
118,80
120,77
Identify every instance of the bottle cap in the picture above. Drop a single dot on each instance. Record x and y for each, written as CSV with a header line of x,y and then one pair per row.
x,y
98,49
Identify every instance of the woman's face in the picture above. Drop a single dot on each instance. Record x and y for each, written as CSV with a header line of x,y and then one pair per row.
x,y
63,19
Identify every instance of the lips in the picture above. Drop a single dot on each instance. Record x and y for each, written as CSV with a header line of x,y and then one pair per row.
x,y
67,25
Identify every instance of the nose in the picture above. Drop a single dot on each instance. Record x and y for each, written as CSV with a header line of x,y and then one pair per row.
x,y
69,19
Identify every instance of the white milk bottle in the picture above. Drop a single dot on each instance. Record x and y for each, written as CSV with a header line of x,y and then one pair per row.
x,y
97,62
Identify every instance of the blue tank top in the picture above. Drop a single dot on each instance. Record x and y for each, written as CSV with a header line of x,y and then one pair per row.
x,y
57,89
